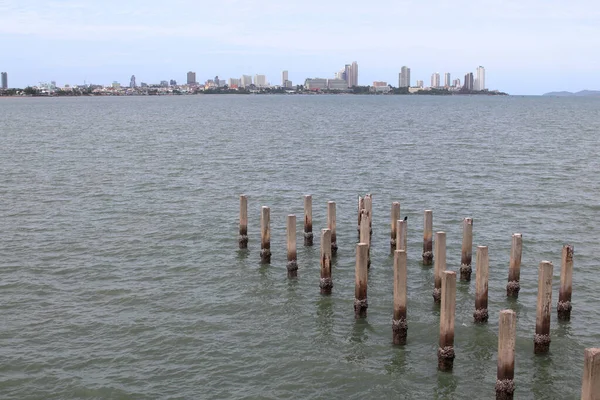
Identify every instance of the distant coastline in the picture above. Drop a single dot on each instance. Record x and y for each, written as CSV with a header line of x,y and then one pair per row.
x,y
582,93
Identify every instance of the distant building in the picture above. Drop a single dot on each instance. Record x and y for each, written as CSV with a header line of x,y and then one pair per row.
x,y
234,83
456,83
352,75
116,85
447,80
404,78
260,81
173,82
337,84
191,78
4,80
480,79
284,78
420,84
435,80
468,85
379,84
246,81
288,84
341,74
143,84
318,84
132,82
164,83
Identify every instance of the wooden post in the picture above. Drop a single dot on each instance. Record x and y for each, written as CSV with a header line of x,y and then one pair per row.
x,y
361,280
566,284
440,264
590,389
265,235
467,250
427,237
395,218
507,332
514,271
365,235
369,209
308,233
331,226
326,283
544,302
292,255
243,239
399,326
446,345
401,233
481,284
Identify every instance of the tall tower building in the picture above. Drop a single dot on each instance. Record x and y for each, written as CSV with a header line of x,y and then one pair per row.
x,y
447,81
480,78
354,74
468,81
132,82
284,78
260,80
435,80
404,80
191,78
4,80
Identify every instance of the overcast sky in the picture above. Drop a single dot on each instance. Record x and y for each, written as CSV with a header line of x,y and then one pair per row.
x,y
526,46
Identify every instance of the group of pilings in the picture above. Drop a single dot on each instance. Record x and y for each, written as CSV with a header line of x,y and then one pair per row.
x,y
444,283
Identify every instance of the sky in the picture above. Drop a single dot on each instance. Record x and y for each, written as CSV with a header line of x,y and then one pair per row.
x,y
526,46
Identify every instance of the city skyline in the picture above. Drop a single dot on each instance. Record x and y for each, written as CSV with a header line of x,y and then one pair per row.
x,y
348,74
112,40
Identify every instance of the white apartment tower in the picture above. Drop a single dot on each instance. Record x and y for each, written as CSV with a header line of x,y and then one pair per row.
x,y
480,78
284,78
435,80
260,80
404,80
447,81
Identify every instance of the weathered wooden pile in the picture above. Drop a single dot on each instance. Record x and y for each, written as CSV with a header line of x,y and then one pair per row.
x,y
444,290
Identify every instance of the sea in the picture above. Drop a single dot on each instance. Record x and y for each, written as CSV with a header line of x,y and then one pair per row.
x,y
121,276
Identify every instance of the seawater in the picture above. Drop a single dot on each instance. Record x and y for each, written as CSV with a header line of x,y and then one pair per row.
x,y
120,276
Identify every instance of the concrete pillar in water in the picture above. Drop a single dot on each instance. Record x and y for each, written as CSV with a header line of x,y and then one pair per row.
x,y
514,271
427,237
544,302
467,250
292,255
361,281
399,326
308,233
243,239
265,235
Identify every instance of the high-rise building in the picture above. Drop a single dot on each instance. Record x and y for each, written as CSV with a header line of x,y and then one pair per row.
x,y
404,77
260,80
420,84
480,79
435,80
447,80
172,82
191,78
132,82
353,81
4,80
234,83
456,83
284,78
245,81
468,81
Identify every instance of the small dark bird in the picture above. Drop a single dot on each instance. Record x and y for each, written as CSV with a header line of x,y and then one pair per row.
x,y
406,218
